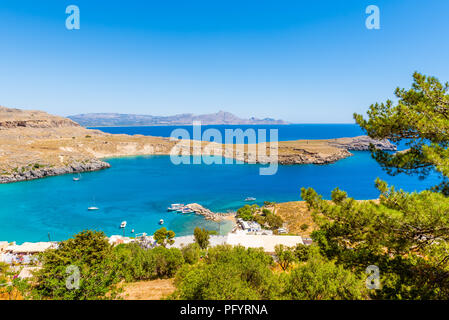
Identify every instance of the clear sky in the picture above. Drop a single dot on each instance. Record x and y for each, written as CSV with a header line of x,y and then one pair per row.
x,y
301,61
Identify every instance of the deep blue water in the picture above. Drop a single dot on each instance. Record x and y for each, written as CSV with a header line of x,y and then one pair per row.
x,y
286,132
138,190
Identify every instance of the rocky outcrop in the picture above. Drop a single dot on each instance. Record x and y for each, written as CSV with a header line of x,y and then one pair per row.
x,y
16,118
362,143
208,215
37,173
313,158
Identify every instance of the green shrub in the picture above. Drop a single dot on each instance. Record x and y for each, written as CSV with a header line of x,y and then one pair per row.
x,y
90,252
135,263
191,253
201,237
319,279
167,261
228,273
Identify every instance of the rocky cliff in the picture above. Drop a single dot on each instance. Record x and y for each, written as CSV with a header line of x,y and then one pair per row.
x,y
362,143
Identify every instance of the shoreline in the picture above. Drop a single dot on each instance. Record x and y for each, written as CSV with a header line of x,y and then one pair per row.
x,y
34,145
203,125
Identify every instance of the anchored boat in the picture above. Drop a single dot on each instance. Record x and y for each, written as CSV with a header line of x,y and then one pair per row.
x,y
250,199
175,207
123,224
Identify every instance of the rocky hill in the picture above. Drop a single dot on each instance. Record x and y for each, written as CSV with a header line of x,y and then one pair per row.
x,y
17,118
117,119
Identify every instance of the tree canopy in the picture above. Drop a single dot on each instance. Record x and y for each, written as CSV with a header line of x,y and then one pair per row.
x,y
90,254
201,237
164,236
420,120
404,234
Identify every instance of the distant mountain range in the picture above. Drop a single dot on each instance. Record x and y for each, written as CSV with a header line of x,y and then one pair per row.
x,y
117,119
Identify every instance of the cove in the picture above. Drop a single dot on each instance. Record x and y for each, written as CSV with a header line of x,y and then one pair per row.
x,y
139,189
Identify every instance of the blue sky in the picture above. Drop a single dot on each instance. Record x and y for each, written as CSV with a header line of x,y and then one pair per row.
x,y
301,61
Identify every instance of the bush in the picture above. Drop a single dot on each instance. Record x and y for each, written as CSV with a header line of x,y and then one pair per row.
x,y
318,279
266,212
134,262
245,213
301,252
285,256
164,236
167,261
228,273
274,221
201,237
191,253
90,252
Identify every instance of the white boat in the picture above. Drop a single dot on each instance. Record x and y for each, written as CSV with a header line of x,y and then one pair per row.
x,y
187,210
175,207
161,221
250,199
94,207
123,224
77,178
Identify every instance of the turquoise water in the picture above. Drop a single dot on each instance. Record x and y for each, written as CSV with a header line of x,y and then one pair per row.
x,y
138,190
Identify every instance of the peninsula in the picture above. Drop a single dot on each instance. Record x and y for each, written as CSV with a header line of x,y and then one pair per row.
x,y
119,119
35,144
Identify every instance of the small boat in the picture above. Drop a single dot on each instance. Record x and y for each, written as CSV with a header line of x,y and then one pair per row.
x,y
94,207
161,221
77,178
187,210
250,199
175,207
123,224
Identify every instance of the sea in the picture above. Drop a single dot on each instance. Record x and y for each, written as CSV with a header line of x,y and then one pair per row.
x,y
139,189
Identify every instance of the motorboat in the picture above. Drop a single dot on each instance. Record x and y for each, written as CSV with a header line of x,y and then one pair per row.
x,y
161,221
175,207
92,208
123,224
250,199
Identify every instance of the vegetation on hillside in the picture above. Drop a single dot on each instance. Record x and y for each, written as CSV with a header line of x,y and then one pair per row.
x,y
266,218
404,234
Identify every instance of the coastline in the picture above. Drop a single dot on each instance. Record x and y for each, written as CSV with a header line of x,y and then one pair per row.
x,y
189,125
35,144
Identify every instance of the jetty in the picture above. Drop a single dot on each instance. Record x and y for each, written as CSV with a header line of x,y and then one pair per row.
x,y
208,214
